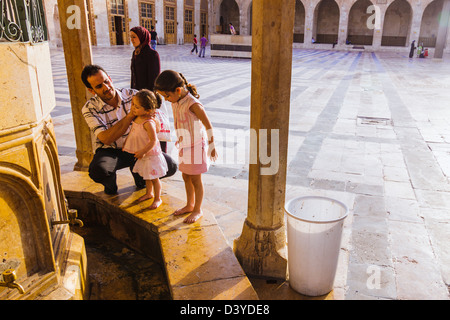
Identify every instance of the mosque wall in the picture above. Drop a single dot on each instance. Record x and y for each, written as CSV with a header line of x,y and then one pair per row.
x,y
375,24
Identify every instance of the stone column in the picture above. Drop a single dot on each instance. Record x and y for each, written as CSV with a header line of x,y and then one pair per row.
x,y
416,21
159,17
261,247
309,26
442,31
343,24
378,21
77,52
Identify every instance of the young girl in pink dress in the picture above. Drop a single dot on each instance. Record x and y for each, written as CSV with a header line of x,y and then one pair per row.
x,y
190,121
143,142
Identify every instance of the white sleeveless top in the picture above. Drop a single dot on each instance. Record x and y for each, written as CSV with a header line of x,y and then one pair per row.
x,y
188,127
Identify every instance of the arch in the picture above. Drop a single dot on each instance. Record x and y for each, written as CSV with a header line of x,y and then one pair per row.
x,y
326,22
24,233
359,31
299,23
430,23
397,24
229,13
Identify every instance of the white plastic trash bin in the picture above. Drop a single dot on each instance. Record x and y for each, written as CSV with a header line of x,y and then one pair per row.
x,y
314,230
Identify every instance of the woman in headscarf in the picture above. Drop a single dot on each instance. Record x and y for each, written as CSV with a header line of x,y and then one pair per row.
x,y
145,64
145,68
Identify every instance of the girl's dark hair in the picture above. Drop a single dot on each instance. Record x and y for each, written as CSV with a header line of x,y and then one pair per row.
x,y
169,80
149,100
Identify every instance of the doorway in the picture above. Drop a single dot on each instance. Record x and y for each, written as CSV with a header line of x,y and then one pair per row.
x,y
169,25
118,24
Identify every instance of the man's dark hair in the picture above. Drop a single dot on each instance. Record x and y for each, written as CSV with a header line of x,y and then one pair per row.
x,y
89,71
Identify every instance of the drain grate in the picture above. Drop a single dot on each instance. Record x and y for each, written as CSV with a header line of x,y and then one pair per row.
x,y
374,121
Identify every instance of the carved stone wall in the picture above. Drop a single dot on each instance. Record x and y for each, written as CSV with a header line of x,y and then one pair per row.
x,y
31,195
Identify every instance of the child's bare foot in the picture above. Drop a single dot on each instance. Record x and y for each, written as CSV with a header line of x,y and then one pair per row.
x,y
183,210
194,216
155,204
145,197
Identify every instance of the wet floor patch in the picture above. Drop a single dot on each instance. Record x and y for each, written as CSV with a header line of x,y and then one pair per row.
x,y
117,272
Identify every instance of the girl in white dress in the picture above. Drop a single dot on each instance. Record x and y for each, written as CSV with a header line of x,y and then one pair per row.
x,y
143,142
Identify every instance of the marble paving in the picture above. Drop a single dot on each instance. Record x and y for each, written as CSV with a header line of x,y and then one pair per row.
x,y
369,129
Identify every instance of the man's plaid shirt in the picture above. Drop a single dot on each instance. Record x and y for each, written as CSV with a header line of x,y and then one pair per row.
x,y
101,116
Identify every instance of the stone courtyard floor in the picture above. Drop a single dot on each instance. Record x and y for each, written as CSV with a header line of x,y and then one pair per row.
x,y
369,129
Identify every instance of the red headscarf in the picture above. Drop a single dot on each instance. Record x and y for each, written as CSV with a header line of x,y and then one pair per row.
x,y
144,38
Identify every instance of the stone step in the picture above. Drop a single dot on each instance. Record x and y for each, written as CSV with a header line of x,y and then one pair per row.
x,y
199,262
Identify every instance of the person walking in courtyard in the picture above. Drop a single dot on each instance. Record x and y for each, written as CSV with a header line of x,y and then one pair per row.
x,y
153,38
413,47
203,42
195,144
108,116
145,67
194,42
143,143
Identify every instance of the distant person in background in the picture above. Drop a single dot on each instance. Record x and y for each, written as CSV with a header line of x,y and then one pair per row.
x,y
203,42
194,42
232,30
413,47
419,50
153,38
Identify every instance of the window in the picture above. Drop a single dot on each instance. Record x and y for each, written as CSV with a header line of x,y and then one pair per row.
x,y
146,15
117,7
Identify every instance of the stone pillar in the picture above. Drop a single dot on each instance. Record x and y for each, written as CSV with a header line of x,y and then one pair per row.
x,y
180,21
343,24
159,18
416,21
309,26
379,10
77,52
261,248
442,30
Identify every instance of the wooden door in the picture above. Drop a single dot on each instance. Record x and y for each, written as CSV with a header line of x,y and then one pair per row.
x,y
170,30
188,25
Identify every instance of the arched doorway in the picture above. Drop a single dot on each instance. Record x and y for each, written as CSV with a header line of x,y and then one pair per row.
x,y
397,24
229,12
430,23
326,22
359,32
299,24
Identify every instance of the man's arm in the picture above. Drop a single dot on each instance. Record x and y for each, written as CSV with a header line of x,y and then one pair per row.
x,y
110,135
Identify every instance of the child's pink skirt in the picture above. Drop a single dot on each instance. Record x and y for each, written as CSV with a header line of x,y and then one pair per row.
x,y
193,160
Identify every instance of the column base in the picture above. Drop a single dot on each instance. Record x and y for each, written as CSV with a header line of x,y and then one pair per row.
x,y
262,252
83,160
